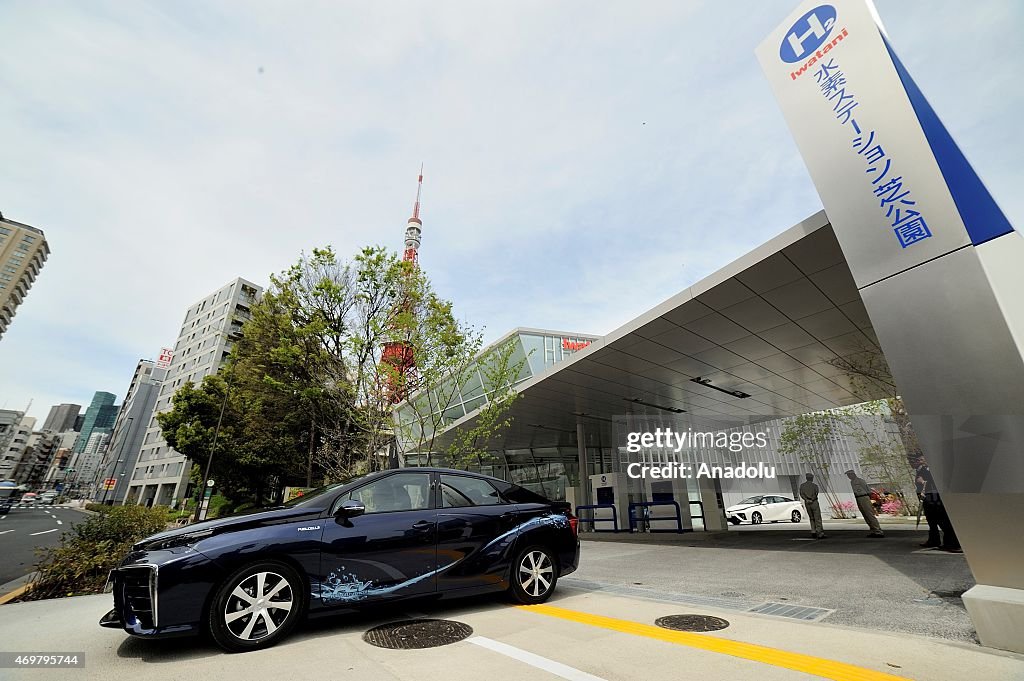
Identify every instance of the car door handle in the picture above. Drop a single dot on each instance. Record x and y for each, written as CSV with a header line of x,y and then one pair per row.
x,y
422,525
507,515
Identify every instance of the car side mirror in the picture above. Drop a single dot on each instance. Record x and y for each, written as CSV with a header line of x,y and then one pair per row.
x,y
350,508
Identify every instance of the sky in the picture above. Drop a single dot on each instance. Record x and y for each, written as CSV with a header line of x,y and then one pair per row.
x,y
583,161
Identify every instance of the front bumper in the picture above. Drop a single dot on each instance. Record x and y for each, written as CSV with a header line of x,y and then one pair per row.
x,y
160,593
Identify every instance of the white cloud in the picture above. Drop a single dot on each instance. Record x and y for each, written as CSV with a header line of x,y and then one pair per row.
x,y
583,162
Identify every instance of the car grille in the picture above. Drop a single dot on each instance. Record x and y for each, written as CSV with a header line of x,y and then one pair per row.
x,y
139,593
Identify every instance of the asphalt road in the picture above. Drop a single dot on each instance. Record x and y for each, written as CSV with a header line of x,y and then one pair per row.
x,y
22,530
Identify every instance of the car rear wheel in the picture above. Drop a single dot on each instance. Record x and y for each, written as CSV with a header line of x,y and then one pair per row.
x,y
794,516
533,575
256,607
755,518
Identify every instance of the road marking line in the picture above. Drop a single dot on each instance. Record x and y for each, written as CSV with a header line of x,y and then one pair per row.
x,y
60,522
816,666
43,532
6,531
550,666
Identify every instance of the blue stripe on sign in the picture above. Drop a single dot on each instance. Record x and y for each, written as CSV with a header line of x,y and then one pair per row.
x,y
982,217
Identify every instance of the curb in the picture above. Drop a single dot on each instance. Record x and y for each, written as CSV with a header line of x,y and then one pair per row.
x,y
16,587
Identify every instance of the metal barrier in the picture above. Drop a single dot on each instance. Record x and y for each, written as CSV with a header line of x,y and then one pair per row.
x,y
701,504
646,505
592,507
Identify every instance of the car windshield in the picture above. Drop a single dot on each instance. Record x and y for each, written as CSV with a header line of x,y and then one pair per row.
x,y
752,500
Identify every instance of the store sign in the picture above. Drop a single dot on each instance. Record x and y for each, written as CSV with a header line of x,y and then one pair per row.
x,y
574,345
109,483
163,361
895,187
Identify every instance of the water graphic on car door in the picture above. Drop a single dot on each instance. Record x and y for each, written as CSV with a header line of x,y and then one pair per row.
x,y
389,550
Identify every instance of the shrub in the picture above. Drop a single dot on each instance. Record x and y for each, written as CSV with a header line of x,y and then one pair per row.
x,y
98,508
219,506
840,509
892,507
91,549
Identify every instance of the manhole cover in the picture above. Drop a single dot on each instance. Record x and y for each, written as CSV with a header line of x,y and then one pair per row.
x,y
413,634
691,623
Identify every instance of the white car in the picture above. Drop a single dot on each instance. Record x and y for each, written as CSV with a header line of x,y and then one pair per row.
x,y
765,508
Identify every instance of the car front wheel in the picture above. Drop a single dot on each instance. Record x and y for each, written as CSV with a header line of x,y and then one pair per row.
x,y
533,575
256,607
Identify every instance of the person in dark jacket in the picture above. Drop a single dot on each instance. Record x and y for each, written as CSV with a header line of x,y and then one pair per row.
x,y
935,510
934,540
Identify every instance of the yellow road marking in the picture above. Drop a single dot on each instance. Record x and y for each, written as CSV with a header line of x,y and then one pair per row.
x,y
827,669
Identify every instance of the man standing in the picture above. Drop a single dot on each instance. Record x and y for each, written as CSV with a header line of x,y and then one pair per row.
x,y
862,493
922,475
809,495
933,505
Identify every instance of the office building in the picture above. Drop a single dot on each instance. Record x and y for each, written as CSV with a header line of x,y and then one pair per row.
x,y
210,329
115,469
62,417
36,457
23,250
10,422
100,415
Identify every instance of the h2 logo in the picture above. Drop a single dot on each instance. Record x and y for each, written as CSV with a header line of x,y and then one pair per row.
x,y
809,31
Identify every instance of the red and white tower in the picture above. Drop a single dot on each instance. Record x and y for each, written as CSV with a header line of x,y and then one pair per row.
x,y
399,355
414,228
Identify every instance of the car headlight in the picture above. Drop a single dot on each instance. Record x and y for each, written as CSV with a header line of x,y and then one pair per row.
x,y
176,541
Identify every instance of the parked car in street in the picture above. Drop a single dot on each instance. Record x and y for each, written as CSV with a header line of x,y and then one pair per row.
x,y
28,499
48,498
765,508
247,580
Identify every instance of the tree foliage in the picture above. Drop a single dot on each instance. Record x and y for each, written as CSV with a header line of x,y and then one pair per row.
x,y
306,397
806,437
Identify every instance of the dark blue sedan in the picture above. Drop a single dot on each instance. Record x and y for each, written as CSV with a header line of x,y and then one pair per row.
x,y
413,532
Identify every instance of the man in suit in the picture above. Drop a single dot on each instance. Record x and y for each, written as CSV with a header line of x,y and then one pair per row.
x,y
862,493
809,495
933,505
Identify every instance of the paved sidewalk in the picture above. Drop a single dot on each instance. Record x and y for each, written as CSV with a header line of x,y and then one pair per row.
x,y
591,636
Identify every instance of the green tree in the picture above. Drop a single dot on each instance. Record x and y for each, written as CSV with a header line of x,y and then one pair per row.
x,y
806,437
499,370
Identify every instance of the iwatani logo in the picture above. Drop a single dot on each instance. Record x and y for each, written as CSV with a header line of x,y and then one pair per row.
x,y
807,40
807,34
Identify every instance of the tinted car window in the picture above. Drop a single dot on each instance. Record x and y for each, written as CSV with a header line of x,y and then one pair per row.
x,y
458,491
400,492
517,495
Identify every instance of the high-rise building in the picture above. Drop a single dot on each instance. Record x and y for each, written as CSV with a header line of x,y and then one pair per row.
x,y
101,414
62,417
10,422
85,464
36,457
129,431
18,435
23,250
207,335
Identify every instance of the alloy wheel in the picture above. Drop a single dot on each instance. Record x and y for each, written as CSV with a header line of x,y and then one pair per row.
x,y
755,518
258,605
536,573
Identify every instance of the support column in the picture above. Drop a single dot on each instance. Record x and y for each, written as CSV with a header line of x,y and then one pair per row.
x,y
714,514
581,446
